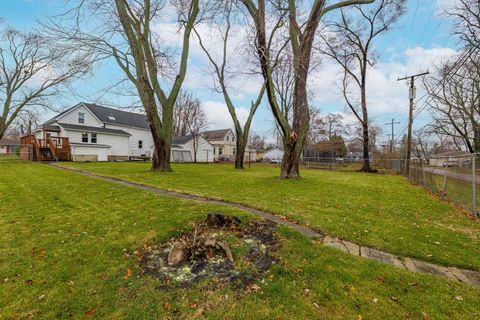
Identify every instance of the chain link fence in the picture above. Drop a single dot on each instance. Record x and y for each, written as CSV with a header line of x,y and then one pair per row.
x,y
16,152
455,178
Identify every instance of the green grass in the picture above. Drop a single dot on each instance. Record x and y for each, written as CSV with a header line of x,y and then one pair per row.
x,y
64,238
381,211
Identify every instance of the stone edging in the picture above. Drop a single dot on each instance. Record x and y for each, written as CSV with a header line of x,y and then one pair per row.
x,y
414,265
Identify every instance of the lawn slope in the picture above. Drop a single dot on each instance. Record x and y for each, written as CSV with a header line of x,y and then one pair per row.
x,y
381,211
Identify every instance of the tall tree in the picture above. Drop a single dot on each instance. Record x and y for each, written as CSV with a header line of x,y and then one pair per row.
x,y
221,79
454,92
301,35
350,45
32,71
124,31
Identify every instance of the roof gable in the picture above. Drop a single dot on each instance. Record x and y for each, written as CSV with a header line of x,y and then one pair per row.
x,y
216,134
118,117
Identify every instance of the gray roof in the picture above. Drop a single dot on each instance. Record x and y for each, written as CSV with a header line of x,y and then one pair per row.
x,y
93,129
181,140
216,134
120,117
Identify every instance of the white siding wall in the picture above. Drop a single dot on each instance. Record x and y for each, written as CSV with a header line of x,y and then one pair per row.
x,y
119,144
101,153
203,147
72,117
274,154
136,135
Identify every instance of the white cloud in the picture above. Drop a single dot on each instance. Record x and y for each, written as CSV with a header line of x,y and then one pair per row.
x,y
384,93
219,117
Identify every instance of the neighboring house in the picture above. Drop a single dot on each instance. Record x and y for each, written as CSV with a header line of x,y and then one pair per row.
x,y
9,145
183,149
452,158
273,155
96,133
224,145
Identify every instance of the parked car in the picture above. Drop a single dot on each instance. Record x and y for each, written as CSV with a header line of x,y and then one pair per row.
x,y
276,161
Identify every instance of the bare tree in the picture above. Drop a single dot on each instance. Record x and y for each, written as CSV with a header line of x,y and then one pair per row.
x,y
32,71
124,31
466,14
350,45
302,27
221,80
185,110
189,119
454,92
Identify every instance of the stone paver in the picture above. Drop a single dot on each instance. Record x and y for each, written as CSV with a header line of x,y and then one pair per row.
x,y
462,275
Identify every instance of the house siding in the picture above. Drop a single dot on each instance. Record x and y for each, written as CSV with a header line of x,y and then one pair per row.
x,y
136,135
72,117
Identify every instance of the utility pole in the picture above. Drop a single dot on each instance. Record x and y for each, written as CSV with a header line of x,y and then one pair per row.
x,y
410,116
393,123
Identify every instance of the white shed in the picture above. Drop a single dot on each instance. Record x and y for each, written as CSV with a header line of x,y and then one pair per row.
x,y
273,154
183,149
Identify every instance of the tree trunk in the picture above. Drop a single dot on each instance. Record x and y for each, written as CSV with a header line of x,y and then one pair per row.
x,y
291,162
366,139
239,156
161,156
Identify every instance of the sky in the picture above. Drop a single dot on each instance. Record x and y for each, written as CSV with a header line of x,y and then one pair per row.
x,y
419,40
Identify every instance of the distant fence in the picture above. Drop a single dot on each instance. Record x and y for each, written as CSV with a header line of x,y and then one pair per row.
x,y
454,178
16,152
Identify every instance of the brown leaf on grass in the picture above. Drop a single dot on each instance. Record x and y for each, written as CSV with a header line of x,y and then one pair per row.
x,y
297,270
29,281
103,276
90,312
128,274
425,316
381,279
253,288
167,306
359,317
316,305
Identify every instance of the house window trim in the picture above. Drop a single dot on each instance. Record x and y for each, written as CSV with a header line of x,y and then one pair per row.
x,y
84,137
140,144
91,137
81,117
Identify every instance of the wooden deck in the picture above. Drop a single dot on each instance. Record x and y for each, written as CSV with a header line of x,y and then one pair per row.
x,y
51,149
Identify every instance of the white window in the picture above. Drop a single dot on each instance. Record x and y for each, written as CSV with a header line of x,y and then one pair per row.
x,y
140,144
228,138
85,137
81,117
214,150
220,151
93,138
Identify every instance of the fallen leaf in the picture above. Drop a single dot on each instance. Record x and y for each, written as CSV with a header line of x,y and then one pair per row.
x,y
128,274
29,281
297,270
381,279
394,298
459,298
90,312
375,300
359,317
167,306
316,305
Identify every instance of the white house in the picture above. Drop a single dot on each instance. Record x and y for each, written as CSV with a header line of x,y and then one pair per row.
x,y
225,145
274,154
97,133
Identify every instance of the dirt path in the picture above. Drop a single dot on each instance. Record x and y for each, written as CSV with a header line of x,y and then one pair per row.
x,y
461,275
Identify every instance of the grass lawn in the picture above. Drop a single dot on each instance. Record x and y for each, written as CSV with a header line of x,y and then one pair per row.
x,y
64,238
381,211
